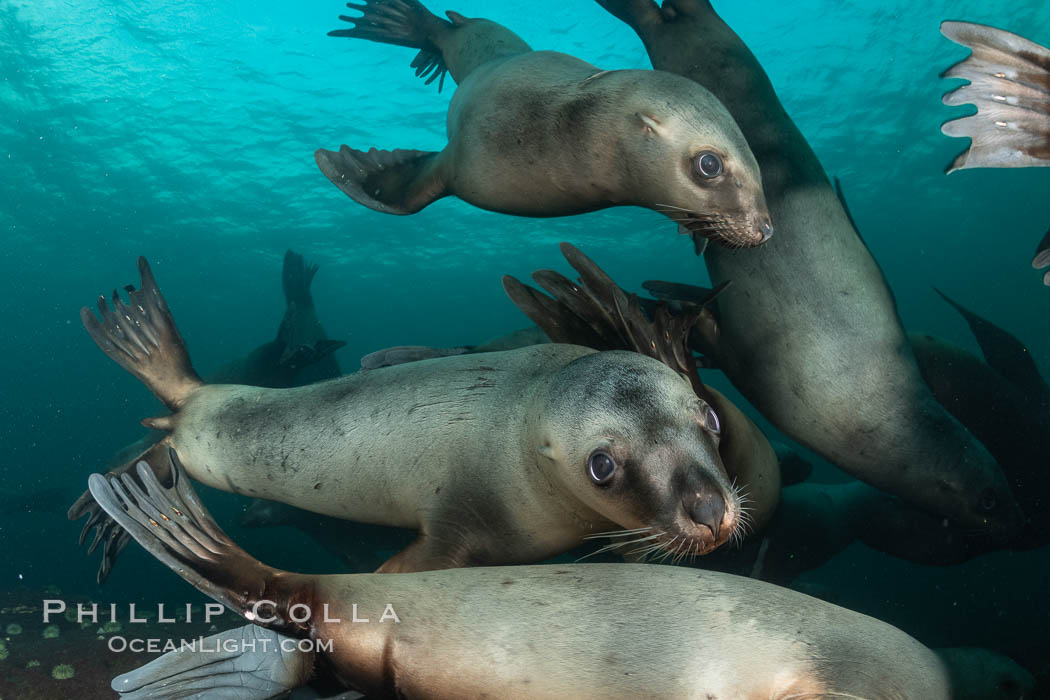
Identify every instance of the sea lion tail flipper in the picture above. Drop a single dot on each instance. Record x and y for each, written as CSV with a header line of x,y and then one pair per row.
x,y
402,23
243,663
1002,350
107,532
142,338
1010,84
393,182
296,277
172,524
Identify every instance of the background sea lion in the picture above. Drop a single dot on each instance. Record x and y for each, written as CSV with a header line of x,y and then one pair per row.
x,y
983,674
540,133
1009,82
530,631
495,458
809,331
302,352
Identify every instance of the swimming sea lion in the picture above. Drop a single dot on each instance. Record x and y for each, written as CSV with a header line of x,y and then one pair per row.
x,y
494,458
1009,82
301,346
540,133
530,631
1011,418
809,331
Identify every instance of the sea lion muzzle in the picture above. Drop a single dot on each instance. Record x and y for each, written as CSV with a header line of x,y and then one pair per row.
x,y
707,509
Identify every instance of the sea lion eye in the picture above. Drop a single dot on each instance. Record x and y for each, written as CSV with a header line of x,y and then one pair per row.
x,y
711,421
988,501
601,467
707,165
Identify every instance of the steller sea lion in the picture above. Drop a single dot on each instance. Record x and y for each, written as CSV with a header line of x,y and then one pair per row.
x,y
809,331
495,458
540,133
533,631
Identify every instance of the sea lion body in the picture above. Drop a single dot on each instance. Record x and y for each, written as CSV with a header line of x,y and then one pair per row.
x,y
809,330
542,133
494,458
557,631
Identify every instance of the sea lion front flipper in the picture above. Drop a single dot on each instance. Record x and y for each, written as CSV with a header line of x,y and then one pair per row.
x,y
1010,84
636,14
403,354
1002,351
393,182
302,356
244,663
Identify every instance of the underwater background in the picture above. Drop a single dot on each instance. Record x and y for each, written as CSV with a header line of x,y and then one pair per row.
x,y
184,132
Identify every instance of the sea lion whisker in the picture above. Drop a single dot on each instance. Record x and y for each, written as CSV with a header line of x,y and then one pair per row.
x,y
616,545
617,533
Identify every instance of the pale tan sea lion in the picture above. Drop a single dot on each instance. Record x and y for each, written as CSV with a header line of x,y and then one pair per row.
x,y
496,458
540,133
562,631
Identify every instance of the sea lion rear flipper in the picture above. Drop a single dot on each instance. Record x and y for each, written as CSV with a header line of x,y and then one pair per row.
x,y
596,313
172,524
402,23
107,532
393,182
676,291
142,338
1010,84
244,663
1002,351
296,277
1042,257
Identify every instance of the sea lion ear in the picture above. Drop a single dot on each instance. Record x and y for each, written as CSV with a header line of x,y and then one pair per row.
x,y
650,124
546,450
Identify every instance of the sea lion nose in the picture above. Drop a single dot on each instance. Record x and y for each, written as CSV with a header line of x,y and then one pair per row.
x,y
765,226
708,509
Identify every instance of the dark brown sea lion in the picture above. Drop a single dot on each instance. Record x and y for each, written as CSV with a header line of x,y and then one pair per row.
x,y
530,631
1009,82
302,352
494,458
540,133
809,331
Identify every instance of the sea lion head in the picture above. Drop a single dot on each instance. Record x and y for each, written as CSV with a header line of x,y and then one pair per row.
x,y
628,437
699,168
